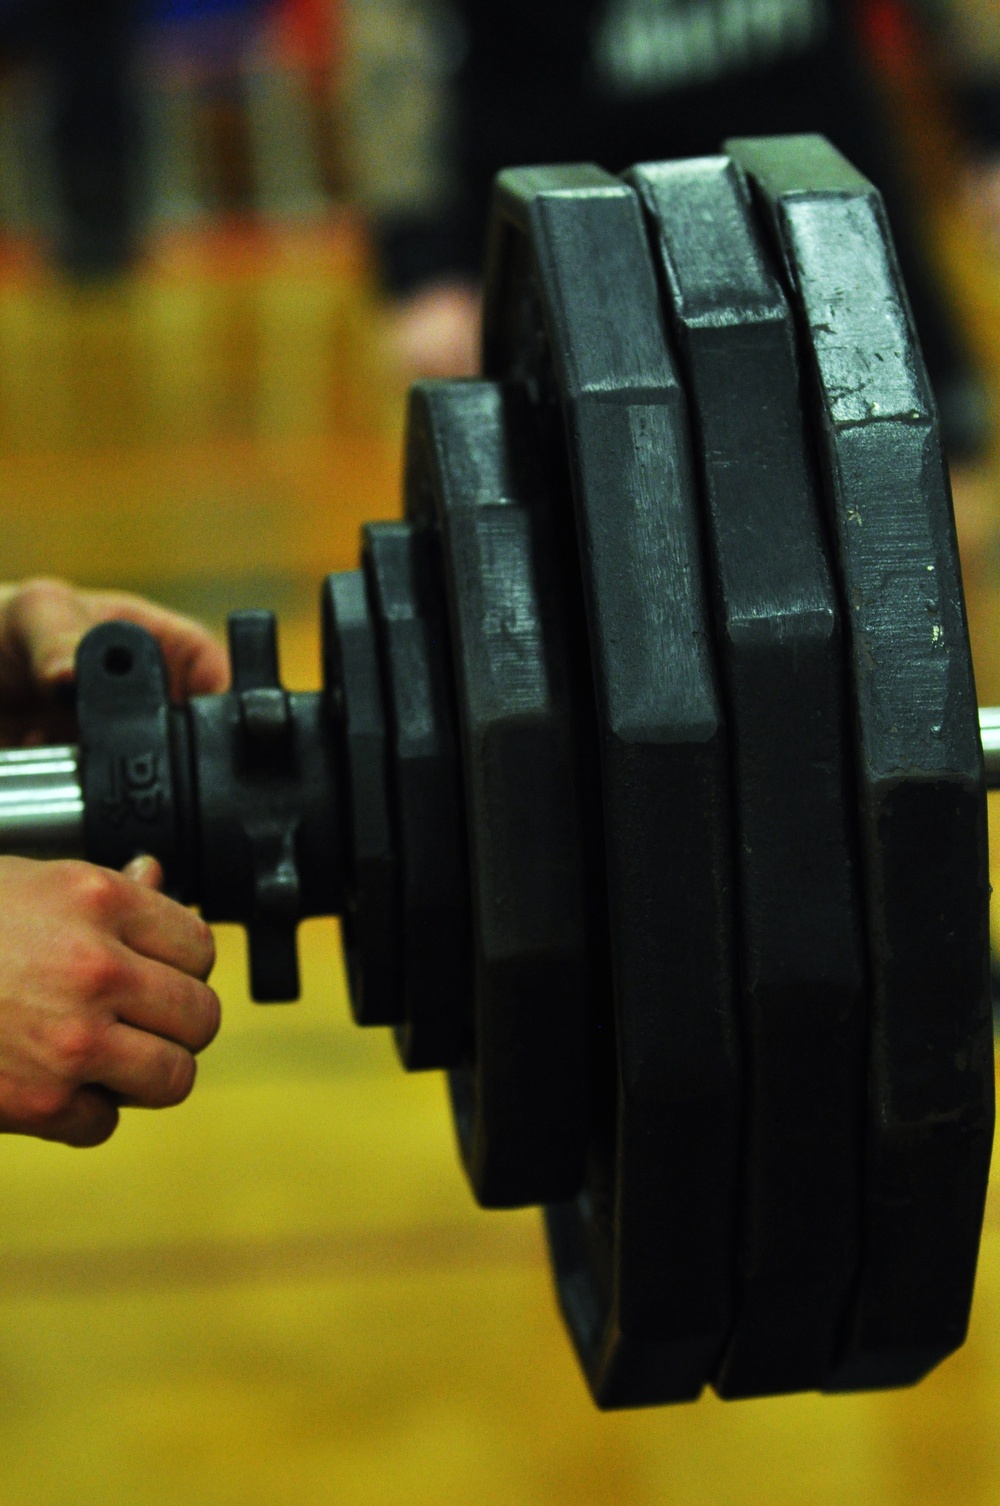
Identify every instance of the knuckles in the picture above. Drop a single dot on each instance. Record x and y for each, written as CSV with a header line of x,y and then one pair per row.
x,y
94,894
93,971
74,1047
81,983
85,895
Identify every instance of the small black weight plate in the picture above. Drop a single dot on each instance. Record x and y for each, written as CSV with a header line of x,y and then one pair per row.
x,y
474,477
921,789
799,922
645,1255
425,789
370,922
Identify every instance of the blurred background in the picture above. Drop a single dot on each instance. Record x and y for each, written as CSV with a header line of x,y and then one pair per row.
x,y
230,235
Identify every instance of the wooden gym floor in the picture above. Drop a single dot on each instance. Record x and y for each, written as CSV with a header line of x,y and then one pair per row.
x,y
281,1294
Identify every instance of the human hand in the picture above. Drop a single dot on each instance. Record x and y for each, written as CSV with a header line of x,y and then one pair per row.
x,y
103,999
41,624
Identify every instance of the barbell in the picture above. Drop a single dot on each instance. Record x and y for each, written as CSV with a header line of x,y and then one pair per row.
x,y
647,779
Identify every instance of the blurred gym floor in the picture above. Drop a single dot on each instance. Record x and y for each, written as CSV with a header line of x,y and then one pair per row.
x,y
281,1294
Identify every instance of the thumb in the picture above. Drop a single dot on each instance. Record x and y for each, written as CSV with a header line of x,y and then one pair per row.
x,y
144,870
48,618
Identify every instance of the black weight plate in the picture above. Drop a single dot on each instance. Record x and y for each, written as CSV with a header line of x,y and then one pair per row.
x,y
424,785
370,922
921,788
799,923
571,309
474,477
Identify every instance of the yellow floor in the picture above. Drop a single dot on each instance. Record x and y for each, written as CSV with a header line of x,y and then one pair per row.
x,y
281,1292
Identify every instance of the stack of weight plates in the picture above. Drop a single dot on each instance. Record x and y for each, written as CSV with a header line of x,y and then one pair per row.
x,y
683,780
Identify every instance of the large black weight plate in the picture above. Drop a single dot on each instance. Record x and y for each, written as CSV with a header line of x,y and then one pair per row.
x,y
644,1256
474,478
921,789
781,652
370,922
425,788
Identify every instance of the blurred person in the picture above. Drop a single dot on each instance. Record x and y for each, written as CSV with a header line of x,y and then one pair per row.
x,y
103,994
622,81
398,91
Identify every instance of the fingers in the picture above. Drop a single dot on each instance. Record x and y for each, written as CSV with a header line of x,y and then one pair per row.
x,y
174,949
134,1043
144,1070
142,958
164,931
42,622
165,1003
102,996
196,661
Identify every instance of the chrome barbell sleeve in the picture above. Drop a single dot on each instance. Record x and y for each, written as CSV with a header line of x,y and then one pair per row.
x,y
989,732
41,802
